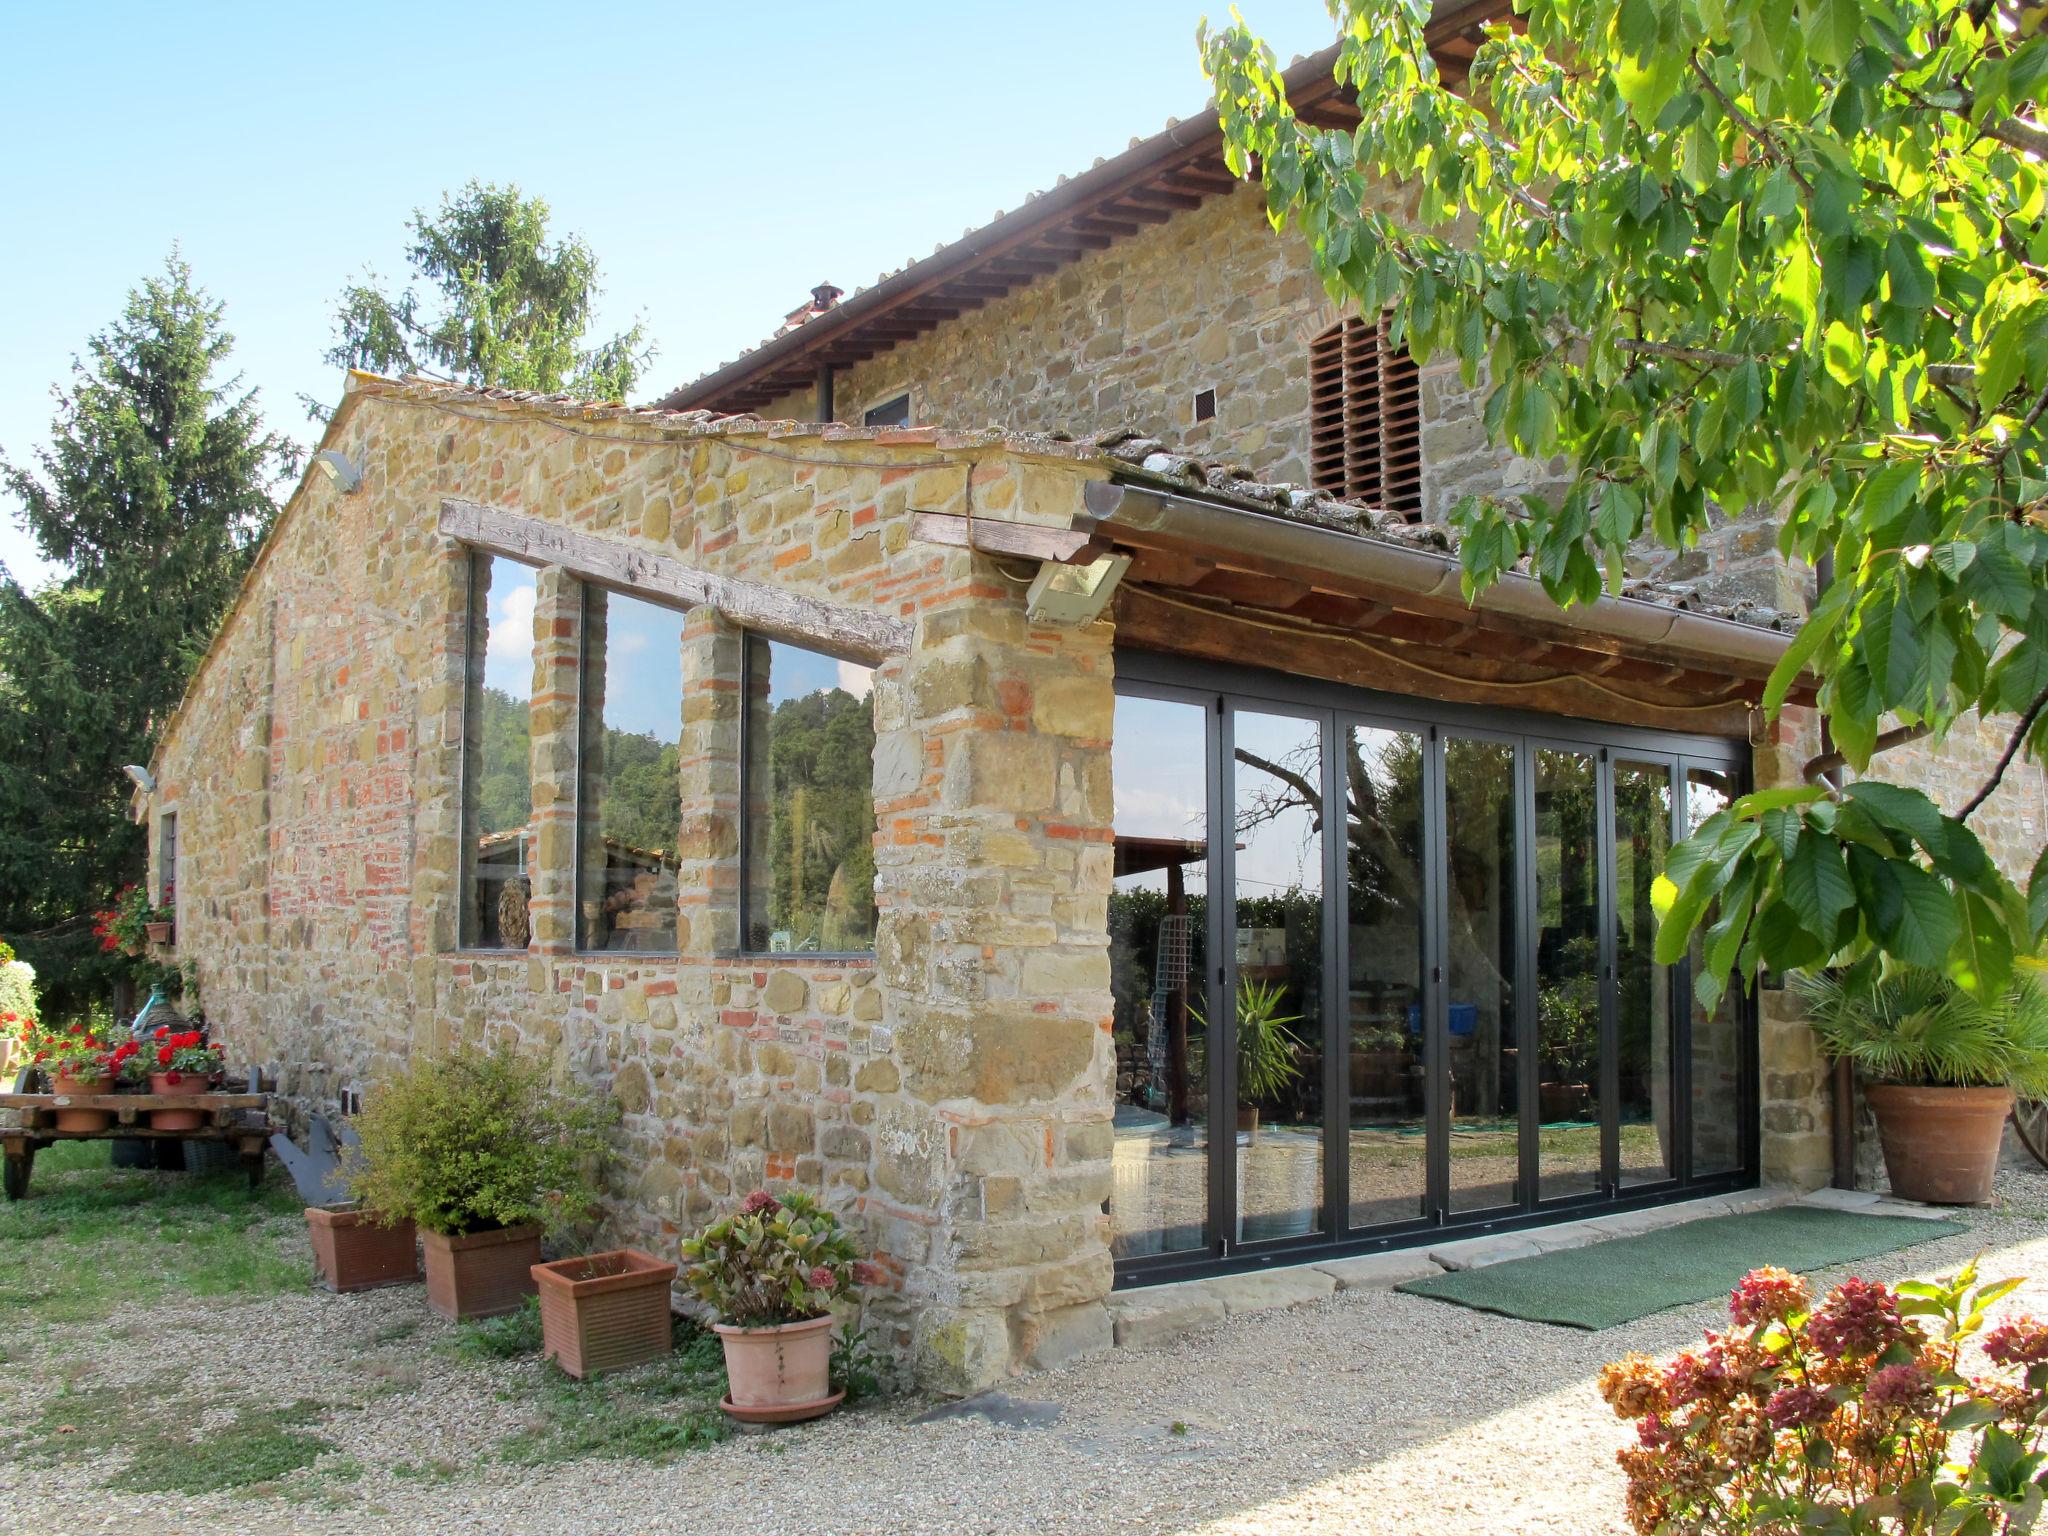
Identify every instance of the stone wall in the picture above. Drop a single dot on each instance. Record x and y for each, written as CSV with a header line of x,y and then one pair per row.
x,y
1214,299
948,1094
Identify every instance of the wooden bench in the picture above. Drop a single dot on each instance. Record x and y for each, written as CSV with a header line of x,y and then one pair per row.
x,y
242,1120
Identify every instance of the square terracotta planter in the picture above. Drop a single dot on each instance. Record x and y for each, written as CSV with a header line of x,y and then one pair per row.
x,y
483,1273
604,1311
351,1252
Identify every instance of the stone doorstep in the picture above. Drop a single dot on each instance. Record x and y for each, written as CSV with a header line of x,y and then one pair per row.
x,y
1153,1314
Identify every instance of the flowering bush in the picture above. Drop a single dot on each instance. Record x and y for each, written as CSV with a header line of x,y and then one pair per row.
x,y
772,1261
1855,1415
185,1055
17,990
78,1050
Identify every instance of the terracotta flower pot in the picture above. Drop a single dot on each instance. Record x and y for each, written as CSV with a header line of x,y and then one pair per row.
x,y
177,1119
63,1083
779,1374
1940,1144
159,933
604,1311
351,1252
481,1274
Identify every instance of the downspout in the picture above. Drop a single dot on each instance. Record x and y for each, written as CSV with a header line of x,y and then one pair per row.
x,y
825,404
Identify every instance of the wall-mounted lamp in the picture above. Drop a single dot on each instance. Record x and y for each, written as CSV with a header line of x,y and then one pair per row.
x,y
339,468
144,779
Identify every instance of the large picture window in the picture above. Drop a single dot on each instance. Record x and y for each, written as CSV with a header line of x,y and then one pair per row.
x,y
497,743
630,709
810,803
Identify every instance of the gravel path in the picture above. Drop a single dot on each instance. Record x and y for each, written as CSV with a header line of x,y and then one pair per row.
x,y
1364,1413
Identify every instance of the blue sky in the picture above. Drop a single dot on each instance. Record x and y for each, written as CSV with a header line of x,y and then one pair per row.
x,y
721,160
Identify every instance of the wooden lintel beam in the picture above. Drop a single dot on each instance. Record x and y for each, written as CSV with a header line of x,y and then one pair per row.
x,y
1252,589
852,634
1163,197
995,536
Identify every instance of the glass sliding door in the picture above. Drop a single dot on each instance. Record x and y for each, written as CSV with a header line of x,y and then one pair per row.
x,y
1277,1012
1481,1039
1642,988
1384,1007
1158,946
1715,1053
1568,993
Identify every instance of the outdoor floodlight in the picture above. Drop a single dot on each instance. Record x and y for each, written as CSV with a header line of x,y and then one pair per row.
x,y
144,779
338,467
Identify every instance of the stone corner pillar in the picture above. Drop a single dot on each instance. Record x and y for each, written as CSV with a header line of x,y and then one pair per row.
x,y
1795,1100
993,874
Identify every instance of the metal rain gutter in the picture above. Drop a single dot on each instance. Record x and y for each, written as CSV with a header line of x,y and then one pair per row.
x,y
1727,645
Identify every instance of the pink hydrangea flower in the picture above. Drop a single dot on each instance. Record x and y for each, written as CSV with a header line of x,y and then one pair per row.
x,y
1797,1405
823,1278
760,1200
1768,1295
1653,1432
1858,1318
1902,1388
2021,1340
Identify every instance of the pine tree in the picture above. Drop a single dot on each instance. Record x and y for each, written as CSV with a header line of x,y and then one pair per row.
x,y
154,493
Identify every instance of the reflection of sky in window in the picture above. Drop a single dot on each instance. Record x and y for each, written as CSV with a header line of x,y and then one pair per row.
x,y
1277,852
508,650
793,673
1158,771
643,672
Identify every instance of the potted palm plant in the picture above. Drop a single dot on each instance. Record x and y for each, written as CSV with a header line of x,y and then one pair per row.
x,y
771,1271
1268,1062
1940,1066
483,1153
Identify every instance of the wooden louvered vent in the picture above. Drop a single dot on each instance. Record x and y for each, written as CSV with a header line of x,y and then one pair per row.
x,y
1365,418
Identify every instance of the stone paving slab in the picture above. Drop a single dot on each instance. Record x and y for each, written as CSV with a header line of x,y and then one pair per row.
x,y
1161,1311
1379,1271
1477,1252
1263,1289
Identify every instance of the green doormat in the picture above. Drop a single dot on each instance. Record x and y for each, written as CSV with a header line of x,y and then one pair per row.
x,y
1616,1282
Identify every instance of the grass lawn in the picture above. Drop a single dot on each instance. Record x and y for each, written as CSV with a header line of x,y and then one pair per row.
x,y
90,1236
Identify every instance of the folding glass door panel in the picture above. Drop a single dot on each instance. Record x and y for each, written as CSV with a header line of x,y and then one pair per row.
x,y
1715,1065
1646,1068
1158,916
1569,1011
1279,794
1384,1006
1481,1041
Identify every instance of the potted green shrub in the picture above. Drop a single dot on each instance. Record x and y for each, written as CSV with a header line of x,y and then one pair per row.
x,y
1940,1066
771,1272
483,1153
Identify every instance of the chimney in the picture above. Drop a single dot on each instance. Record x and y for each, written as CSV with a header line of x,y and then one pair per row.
x,y
823,297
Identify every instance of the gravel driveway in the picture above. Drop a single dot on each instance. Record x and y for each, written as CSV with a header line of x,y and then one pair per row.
x,y
1361,1413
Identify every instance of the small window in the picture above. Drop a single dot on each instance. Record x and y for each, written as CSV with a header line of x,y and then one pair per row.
x,y
890,413
1365,418
167,859
497,752
1205,405
809,819
629,803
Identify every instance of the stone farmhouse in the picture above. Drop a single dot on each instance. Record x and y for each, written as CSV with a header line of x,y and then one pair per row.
x,y
906,763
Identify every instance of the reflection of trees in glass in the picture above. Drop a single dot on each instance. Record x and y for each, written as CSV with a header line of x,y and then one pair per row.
x,y
504,763
642,793
821,825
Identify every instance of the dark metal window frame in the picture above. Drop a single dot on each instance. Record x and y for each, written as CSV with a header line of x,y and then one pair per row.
x,y
166,858
884,413
1221,689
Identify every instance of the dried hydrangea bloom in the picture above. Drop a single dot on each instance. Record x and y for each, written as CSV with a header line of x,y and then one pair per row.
x,y
1633,1386
1797,1405
760,1200
1768,1295
2022,1340
1899,1389
1746,1435
1858,1318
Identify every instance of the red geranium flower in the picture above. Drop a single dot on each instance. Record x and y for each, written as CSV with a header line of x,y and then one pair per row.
x,y
173,1078
162,1030
163,1055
